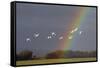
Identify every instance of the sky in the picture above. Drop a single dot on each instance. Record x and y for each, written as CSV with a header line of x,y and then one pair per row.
x,y
40,28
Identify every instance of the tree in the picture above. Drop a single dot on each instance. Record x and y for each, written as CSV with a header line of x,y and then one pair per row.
x,y
24,55
55,55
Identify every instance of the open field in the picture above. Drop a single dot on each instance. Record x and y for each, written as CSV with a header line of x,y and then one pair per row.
x,y
48,61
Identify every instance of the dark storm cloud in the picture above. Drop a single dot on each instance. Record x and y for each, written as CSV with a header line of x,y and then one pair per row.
x,y
43,19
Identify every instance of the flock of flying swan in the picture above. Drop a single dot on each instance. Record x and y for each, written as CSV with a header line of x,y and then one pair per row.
x,y
53,35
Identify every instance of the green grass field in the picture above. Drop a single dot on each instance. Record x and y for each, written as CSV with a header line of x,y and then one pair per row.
x,y
48,61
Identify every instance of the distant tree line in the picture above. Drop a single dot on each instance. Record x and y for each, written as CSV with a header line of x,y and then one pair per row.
x,y
28,55
80,54
71,54
24,55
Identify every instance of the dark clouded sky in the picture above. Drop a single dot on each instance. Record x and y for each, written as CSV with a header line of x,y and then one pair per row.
x,y
36,23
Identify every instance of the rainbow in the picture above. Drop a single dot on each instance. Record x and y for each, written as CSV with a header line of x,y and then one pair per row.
x,y
80,15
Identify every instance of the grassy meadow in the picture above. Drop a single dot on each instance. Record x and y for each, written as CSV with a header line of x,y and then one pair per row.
x,y
48,61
